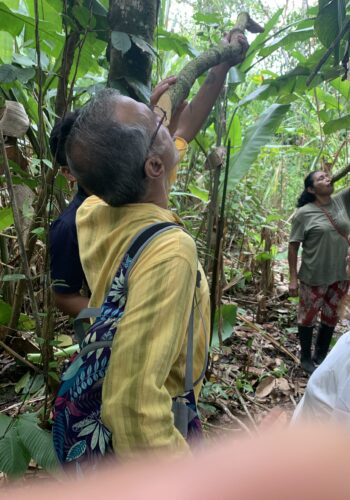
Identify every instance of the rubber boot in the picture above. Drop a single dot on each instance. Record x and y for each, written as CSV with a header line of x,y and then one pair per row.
x,y
323,340
305,338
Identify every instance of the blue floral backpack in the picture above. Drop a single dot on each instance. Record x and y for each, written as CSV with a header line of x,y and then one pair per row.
x,y
80,438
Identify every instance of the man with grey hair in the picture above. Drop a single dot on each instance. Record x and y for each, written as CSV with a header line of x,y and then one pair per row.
x,y
119,150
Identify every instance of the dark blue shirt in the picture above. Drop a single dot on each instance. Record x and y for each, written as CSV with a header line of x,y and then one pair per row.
x,y
66,268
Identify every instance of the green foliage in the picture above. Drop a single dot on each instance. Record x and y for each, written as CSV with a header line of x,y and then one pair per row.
x,y
329,20
6,218
225,319
340,123
256,137
279,127
121,41
21,439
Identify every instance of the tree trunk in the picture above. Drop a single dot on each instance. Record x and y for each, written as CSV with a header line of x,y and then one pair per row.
x,y
61,103
131,72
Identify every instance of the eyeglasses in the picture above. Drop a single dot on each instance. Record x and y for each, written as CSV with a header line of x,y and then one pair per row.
x,y
159,112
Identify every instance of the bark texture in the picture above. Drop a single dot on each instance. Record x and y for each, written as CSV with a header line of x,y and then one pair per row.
x,y
134,17
61,103
233,53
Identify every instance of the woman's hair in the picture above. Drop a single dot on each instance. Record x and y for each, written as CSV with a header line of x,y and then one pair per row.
x,y
106,156
305,196
58,137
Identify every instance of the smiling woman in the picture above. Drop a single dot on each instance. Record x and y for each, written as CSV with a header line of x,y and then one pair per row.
x,y
322,225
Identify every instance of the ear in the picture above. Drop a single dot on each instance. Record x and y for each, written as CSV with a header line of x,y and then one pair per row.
x,y
154,168
68,175
310,190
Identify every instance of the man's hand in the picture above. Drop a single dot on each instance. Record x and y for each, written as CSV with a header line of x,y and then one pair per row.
x,y
160,88
157,92
293,288
235,36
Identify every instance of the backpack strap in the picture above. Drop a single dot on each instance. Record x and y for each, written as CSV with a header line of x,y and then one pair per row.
x,y
78,323
189,383
138,243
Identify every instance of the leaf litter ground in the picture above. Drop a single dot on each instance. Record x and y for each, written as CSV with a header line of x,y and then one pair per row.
x,y
257,367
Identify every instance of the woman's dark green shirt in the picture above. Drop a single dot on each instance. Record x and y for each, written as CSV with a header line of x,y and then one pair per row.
x,y
324,249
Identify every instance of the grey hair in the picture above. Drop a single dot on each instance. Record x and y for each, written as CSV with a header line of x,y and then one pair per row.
x,y
107,157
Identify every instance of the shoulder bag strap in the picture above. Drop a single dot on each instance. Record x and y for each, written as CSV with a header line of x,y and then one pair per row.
x,y
332,221
138,243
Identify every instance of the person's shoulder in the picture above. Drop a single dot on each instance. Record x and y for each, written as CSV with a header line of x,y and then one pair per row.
x,y
67,217
298,214
175,244
91,205
65,222
179,241
342,195
92,201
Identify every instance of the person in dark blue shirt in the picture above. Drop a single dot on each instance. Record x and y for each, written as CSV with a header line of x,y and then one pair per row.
x,y
67,274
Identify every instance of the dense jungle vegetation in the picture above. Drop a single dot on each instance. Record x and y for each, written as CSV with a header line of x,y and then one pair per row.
x,y
284,111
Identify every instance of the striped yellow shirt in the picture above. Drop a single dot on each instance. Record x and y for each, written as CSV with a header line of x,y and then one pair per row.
x,y
147,364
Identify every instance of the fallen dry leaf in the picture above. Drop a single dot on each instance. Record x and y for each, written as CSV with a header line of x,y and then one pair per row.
x,y
265,387
282,385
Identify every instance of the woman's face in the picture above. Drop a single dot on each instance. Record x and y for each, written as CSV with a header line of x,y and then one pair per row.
x,y
322,184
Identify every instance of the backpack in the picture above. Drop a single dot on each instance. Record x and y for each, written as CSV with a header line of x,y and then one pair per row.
x,y
80,438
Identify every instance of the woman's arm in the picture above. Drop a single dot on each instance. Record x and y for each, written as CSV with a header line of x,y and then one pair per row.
x,y
293,262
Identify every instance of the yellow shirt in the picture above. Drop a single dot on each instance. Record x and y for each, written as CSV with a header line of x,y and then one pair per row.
x,y
147,364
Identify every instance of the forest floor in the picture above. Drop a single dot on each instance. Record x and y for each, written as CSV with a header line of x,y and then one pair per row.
x,y
257,368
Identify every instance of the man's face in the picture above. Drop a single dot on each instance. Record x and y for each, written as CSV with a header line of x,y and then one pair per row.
x,y
131,112
321,184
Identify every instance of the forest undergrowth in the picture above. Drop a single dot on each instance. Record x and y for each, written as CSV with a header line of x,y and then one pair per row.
x,y
254,367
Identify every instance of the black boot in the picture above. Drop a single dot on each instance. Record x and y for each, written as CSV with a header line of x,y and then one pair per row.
x,y
305,337
323,340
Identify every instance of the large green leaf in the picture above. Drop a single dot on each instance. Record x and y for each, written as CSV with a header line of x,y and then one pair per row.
x,y
228,316
255,138
328,99
37,441
10,21
14,458
342,86
6,218
235,133
5,423
51,38
338,124
121,41
287,41
48,11
173,41
5,315
329,20
292,82
141,90
88,58
143,45
6,47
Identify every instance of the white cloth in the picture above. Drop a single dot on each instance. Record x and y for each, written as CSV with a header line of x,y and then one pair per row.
x,y
327,395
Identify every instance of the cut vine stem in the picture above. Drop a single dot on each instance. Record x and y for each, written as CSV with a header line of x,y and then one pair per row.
x,y
234,53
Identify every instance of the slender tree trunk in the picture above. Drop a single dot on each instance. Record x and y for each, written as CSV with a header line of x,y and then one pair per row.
x,y
61,103
131,72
